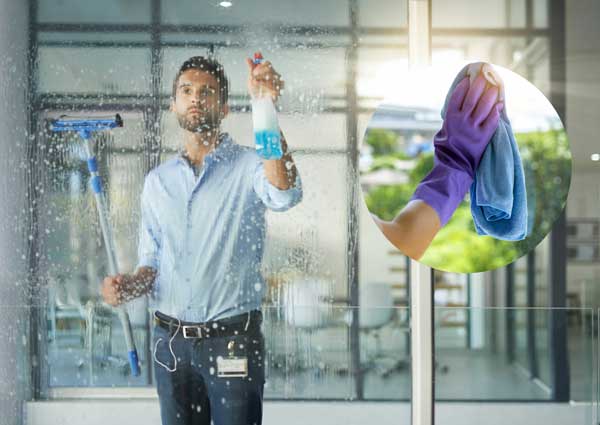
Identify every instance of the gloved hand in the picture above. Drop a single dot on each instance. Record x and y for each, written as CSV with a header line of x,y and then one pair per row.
x,y
470,122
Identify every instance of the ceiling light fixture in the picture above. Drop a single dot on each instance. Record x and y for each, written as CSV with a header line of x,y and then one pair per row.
x,y
225,4
595,157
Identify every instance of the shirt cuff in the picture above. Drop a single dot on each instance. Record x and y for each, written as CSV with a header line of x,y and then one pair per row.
x,y
285,198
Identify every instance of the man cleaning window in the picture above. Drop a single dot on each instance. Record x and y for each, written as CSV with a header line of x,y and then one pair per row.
x,y
201,243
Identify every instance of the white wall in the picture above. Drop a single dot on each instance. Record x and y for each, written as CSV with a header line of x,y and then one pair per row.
x,y
13,118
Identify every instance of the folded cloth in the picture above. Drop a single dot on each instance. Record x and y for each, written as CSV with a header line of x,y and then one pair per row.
x,y
498,193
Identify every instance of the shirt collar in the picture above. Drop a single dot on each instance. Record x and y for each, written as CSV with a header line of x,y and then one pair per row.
x,y
222,151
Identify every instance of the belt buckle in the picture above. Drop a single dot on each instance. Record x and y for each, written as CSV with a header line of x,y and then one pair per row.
x,y
190,335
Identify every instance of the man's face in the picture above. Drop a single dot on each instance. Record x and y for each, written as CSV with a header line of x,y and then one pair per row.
x,y
197,102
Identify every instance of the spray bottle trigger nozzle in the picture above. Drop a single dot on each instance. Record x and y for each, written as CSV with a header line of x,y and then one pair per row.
x,y
258,58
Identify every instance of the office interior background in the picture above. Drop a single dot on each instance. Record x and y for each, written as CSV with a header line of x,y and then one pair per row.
x,y
518,343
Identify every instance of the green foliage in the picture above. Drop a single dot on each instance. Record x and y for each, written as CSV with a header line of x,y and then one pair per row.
x,y
423,166
547,161
385,201
383,142
383,162
458,248
387,161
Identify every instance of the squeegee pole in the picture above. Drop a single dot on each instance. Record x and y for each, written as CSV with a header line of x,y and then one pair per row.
x,y
110,248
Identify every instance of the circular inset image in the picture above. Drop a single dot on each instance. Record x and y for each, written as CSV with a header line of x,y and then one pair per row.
x,y
465,170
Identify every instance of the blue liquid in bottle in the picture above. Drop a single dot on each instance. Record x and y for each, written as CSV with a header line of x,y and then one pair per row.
x,y
267,137
268,144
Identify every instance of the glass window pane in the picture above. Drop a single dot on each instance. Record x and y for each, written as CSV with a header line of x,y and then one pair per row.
x,y
521,315
540,13
540,74
529,60
520,276
309,74
516,13
542,322
256,13
380,261
310,239
302,131
102,71
106,11
479,14
315,131
378,70
382,13
310,242
307,346
502,51
488,370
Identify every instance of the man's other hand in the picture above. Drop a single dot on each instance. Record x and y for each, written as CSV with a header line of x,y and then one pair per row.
x,y
113,288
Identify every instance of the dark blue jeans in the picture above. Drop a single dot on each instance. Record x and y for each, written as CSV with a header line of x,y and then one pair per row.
x,y
195,394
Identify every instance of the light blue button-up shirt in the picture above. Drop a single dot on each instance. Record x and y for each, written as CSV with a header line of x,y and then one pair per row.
x,y
205,235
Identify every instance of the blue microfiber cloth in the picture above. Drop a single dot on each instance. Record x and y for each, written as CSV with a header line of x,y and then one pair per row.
x,y
498,193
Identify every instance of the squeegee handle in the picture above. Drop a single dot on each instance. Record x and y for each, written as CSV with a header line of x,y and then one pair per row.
x,y
112,259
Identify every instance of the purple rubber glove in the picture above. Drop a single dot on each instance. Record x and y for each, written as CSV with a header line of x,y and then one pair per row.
x,y
470,122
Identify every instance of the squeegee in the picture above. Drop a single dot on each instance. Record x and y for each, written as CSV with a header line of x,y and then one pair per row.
x,y
85,127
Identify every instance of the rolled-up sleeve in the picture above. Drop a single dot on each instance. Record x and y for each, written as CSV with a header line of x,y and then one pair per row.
x,y
276,199
149,240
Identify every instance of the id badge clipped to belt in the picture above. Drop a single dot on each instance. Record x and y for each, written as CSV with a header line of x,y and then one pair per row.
x,y
232,366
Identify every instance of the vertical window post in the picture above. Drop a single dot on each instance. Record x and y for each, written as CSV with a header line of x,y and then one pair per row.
x,y
421,282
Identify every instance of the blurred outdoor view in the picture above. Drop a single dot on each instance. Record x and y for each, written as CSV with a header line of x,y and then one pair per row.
x,y
397,153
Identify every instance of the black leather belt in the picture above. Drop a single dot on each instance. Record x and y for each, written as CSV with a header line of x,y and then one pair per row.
x,y
235,325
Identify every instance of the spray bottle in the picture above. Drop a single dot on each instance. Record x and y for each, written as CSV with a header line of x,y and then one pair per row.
x,y
265,124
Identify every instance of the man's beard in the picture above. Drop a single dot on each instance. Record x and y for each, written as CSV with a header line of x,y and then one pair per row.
x,y
200,123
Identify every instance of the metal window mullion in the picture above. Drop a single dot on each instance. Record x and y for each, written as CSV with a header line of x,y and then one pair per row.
x,y
421,283
152,139
510,312
559,355
152,142
37,347
529,38
302,31
353,196
422,344
531,316
468,333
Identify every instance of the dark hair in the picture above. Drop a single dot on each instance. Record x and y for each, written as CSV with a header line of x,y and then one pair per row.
x,y
210,66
